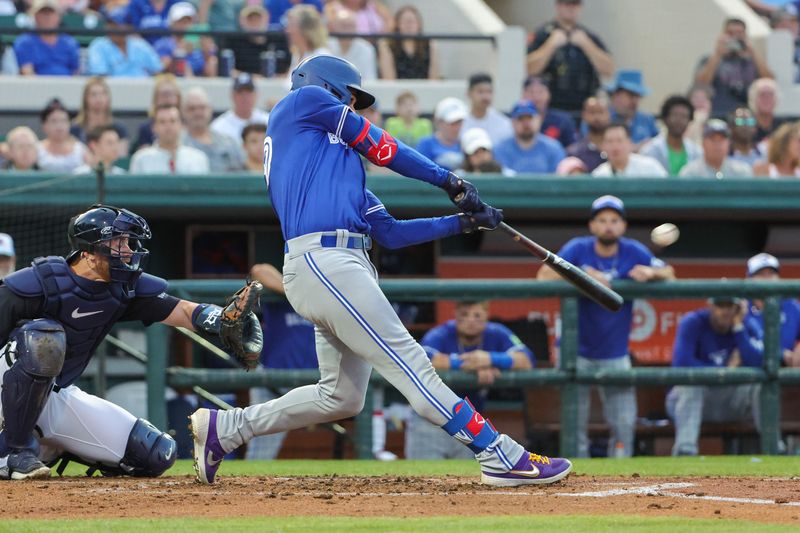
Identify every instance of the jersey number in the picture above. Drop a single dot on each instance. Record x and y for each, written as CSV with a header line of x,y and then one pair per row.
x,y
267,157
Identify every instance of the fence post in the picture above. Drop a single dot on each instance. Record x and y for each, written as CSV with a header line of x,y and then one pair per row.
x,y
568,439
363,429
770,394
157,354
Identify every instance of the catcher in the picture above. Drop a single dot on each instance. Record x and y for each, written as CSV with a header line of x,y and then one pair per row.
x,y
55,313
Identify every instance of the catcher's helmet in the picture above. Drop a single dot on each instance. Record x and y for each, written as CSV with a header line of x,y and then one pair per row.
x,y
336,75
93,230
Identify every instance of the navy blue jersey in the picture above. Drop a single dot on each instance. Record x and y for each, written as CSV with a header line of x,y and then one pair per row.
x,y
496,338
697,344
315,179
790,322
602,333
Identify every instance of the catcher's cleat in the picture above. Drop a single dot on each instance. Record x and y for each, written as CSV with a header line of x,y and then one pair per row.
x,y
24,464
208,452
531,469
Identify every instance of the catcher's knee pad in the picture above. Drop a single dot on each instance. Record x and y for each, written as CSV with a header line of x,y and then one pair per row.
x,y
149,452
37,348
468,426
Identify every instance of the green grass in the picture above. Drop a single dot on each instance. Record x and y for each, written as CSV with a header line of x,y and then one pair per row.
x,y
644,466
507,524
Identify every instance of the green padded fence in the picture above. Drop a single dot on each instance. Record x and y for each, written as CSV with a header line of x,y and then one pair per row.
x,y
771,376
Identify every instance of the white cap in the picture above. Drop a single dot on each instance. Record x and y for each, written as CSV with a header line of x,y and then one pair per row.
x,y
450,110
181,10
761,261
475,139
7,245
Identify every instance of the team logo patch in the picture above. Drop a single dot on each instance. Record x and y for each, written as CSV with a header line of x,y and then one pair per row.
x,y
333,139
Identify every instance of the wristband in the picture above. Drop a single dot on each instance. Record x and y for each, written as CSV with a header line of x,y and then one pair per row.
x,y
501,360
205,318
455,361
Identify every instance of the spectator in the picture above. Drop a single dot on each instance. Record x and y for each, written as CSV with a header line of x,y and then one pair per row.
x,y
622,161
408,126
58,151
763,98
783,156
731,68
570,58
219,15
167,155
626,90
408,59
596,118
672,149
121,55
715,162
720,336
743,133
528,151
253,144
8,257
248,49
224,153
278,9
556,124
244,112
165,92
481,113
46,54
150,15
700,97
355,50
96,111
470,343
8,7
178,54
103,142
443,147
571,166
785,18
371,17
766,267
603,336
289,345
478,155
306,33
22,150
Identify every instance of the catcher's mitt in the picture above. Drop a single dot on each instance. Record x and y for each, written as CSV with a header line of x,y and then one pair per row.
x,y
239,330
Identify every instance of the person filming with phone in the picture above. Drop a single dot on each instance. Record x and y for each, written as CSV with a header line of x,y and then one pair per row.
x,y
731,68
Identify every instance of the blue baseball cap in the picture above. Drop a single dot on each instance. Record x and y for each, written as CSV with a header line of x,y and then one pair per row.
x,y
116,15
607,202
629,80
522,108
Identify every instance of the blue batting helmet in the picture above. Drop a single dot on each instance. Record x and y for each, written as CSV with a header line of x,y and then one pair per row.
x,y
334,74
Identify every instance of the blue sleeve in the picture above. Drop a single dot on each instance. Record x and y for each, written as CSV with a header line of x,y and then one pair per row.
x,y
74,55
318,108
164,46
558,154
198,62
653,127
509,342
572,252
750,343
135,12
23,50
96,62
684,352
393,233
153,63
434,341
644,256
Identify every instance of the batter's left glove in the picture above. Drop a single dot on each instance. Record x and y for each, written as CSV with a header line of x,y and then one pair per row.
x,y
462,193
240,331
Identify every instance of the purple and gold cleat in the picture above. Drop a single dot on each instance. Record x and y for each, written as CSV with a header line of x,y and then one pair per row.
x,y
208,452
531,469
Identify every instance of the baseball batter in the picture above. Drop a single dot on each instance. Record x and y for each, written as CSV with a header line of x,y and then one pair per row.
x,y
53,315
316,184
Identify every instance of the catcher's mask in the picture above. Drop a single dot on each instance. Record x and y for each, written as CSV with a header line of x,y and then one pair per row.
x,y
103,230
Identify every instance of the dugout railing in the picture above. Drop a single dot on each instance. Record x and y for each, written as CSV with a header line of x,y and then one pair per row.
x,y
770,376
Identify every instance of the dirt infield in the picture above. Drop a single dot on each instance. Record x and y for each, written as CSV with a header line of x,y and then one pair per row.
x,y
773,500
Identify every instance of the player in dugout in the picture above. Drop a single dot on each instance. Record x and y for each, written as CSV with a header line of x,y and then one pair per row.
x,y
316,184
53,316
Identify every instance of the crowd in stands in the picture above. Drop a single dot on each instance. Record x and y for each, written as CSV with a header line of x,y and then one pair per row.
x,y
566,122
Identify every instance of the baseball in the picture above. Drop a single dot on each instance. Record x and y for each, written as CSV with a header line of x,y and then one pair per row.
x,y
665,234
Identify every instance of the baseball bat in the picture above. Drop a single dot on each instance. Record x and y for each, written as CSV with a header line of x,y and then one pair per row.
x,y
590,287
